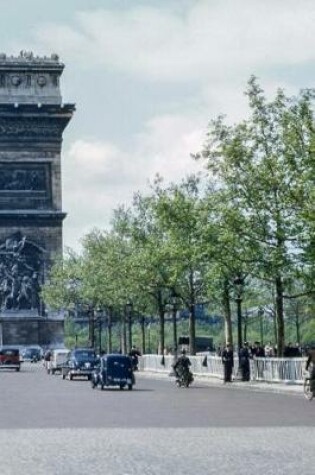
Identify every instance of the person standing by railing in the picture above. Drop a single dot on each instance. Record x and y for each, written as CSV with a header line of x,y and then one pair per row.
x,y
228,362
310,367
244,356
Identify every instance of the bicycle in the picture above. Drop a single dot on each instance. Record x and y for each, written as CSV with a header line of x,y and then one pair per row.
x,y
308,393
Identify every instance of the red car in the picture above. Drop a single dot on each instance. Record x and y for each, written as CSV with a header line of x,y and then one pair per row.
x,y
10,358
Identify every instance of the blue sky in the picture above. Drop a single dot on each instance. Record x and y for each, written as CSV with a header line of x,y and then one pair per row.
x,y
147,76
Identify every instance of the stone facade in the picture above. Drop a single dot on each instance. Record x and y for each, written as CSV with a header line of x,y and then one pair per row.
x,y
32,121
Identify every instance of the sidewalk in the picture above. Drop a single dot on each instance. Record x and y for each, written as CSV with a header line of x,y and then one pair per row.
x,y
260,386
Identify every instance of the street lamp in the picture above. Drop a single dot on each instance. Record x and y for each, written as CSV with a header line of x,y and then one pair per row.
x,y
261,313
238,284
91,316
149,337
109,314
129,308
99,315
173,301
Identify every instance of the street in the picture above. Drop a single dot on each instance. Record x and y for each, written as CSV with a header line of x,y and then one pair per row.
x,y
52,426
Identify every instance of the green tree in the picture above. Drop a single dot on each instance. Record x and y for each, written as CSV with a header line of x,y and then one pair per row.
x,y
264,165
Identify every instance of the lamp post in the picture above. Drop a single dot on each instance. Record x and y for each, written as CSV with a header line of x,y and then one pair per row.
x,y
261,324
99,315
123,333
149,337
129,308
238,283
91,326
174,322
109,314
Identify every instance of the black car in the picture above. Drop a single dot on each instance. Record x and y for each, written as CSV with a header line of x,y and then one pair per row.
x,y
81,362
113,370
32,354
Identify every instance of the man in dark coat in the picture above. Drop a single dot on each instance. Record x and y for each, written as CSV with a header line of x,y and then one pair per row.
x,y
228,362
310,366
244,357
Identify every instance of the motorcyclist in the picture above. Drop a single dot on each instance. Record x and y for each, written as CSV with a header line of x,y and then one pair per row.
x,y
310,367
134,355
182,366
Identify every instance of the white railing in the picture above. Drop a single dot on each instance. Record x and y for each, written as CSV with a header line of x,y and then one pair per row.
x,y
262,369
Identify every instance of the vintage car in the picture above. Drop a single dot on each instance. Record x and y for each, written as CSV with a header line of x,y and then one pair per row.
x,y
32,354
58,357
113,370
10,358
80,362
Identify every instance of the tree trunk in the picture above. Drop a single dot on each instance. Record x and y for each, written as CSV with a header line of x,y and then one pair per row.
x,y
109,330
142,323
226,304
129,322
297,324
280,316
192,329
91,328
123,333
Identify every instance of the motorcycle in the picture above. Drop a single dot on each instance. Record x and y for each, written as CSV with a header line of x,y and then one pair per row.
x,y
184,378
135,363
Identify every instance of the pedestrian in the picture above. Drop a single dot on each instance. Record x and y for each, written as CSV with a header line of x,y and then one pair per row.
x,y
228,362
244,357
310,367
269,350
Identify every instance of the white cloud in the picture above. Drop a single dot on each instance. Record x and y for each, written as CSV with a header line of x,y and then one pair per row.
x,y
212,46
209,40
98,176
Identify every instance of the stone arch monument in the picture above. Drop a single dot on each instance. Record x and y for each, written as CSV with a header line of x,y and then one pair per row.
x,y
32,120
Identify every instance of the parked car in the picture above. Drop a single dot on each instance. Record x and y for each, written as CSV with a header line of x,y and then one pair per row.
x,y
32,354
58,357
113,370
10,358
81,362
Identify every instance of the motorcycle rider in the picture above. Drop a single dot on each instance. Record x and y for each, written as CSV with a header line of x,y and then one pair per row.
x,y
134,355
182,366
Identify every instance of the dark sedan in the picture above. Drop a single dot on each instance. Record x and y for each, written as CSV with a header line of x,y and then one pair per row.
x,y
10,358
81,362
31,354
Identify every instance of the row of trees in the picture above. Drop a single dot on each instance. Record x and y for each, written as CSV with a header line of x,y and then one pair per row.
x,y
245,230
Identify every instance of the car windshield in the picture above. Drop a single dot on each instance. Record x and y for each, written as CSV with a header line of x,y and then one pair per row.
x,y
84,355
31,351
9,352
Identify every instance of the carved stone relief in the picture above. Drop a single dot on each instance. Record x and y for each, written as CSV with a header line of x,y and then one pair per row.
x,y
25,186
21,269
22,127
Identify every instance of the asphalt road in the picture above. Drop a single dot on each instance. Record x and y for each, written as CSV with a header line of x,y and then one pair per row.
x,y
51,426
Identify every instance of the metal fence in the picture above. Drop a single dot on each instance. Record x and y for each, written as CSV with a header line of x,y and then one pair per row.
x,y
276,370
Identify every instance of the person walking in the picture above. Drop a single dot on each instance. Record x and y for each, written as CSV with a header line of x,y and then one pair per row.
x,y
228,362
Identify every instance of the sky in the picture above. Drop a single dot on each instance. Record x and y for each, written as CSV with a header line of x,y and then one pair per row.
x,y
147,77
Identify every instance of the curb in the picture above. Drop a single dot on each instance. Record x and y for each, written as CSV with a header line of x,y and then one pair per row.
x,y
296,390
